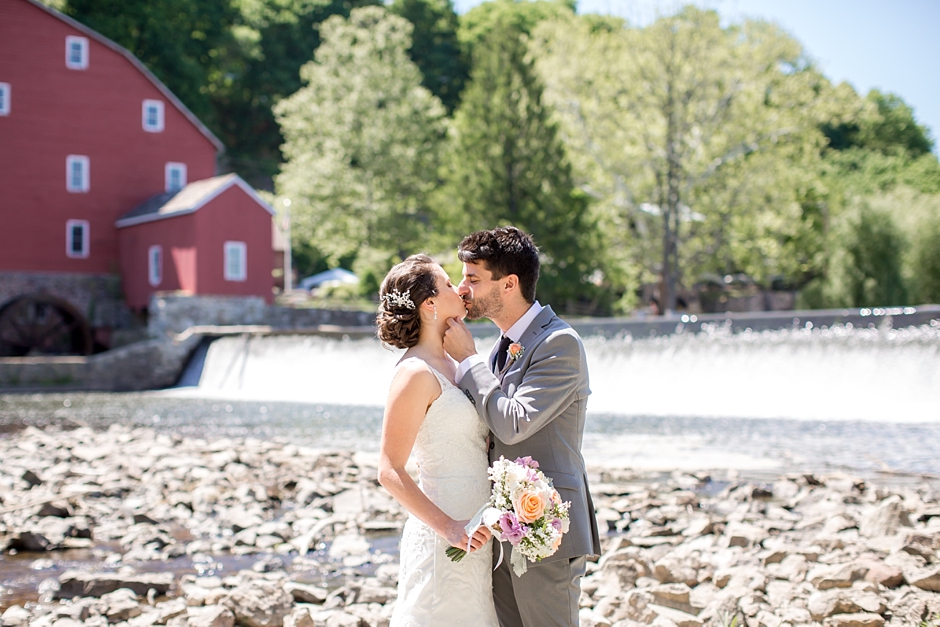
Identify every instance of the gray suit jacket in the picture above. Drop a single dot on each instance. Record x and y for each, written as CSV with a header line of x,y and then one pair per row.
x,y
536,407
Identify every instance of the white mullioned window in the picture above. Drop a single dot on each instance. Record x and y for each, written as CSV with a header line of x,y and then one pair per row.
x,y
77,174
4,98
236,261
175,176
77,239
76,52
152,116
155,265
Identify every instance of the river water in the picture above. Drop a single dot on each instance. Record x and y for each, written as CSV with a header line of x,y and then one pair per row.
x,y
811,399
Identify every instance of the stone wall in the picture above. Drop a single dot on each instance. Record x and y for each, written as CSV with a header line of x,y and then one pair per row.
x,y
174,313
147,365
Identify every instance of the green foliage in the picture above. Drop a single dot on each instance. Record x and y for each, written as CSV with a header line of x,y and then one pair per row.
x,y
509,167
699,143
519,15
276,37
435,48
887,125
362,141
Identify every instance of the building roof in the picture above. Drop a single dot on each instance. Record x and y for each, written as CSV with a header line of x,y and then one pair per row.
x,y
219,146
187,200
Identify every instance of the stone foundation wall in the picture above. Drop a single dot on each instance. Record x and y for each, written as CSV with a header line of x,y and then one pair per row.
x,y
147,365
98,298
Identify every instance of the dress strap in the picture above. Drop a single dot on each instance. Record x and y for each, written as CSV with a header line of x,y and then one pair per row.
x,y
444,381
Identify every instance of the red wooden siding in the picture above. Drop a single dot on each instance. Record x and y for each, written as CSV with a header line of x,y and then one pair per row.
x,y
176,236
96,112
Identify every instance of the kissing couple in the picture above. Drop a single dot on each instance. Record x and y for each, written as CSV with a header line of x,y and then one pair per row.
x,y
456,411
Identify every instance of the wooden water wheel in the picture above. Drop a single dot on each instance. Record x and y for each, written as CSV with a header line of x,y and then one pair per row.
x,y
42,325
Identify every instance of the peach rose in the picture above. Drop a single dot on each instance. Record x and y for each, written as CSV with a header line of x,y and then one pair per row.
x,y
529,506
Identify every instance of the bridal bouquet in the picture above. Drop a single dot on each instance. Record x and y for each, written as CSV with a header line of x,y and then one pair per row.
x,y
524,509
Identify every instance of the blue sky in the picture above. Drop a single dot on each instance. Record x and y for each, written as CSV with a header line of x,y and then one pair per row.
x,y
891,45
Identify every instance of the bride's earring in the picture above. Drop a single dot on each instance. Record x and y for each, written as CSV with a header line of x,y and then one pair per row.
x,y
435,312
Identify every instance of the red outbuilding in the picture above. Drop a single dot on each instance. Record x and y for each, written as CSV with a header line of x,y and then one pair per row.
x,y
101,165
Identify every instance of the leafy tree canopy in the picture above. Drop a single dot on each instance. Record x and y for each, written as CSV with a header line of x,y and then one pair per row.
x,y
362,143
435,47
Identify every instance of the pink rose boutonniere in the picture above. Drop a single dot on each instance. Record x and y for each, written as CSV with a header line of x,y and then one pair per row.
x,y
516,350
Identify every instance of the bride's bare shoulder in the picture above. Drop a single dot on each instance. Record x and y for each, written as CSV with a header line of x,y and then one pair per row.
x,y
413,371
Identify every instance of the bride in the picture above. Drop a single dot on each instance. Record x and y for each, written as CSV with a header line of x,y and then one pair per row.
x,y
428,417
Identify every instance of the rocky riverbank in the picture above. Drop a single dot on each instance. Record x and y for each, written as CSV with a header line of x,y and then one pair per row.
x,y
136,527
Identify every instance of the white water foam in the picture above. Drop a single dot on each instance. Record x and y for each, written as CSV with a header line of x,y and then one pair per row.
x,y
841,373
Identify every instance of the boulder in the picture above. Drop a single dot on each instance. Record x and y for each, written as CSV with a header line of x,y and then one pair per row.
x,y
826,576
259,603
212,616
120,605
75,583
304,593
885,519
926,578
822,605
14,616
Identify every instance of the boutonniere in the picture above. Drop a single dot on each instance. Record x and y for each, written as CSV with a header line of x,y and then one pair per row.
x,y
516,350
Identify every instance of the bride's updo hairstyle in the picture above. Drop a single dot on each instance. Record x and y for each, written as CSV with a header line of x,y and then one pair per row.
x,y
404,288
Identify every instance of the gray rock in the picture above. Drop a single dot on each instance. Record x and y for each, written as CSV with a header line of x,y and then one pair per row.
x,y
259,603
885,519
854,620
14,616
120,605
299,617
926,578
75,583
822,605
304,593
826,576
212,616
674,595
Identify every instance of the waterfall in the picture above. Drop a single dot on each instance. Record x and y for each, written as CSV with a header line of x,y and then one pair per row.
x,y
837,373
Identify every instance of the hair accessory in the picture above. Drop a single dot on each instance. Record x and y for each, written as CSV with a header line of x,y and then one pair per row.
x,y
399,299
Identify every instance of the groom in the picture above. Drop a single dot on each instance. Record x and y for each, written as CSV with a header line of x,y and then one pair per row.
x,y
532,393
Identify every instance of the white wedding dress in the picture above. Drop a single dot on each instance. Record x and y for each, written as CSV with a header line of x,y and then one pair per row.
x,y
450,450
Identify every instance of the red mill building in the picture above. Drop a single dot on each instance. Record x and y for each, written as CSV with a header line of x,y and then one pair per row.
x,y
109,191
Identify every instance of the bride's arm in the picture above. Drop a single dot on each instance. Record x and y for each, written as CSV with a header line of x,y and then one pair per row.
x,y
412,391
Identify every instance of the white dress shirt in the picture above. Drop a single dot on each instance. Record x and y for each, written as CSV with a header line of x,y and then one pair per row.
x,y
514,333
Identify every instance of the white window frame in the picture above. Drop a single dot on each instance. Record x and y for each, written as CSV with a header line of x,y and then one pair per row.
x,y
85,184
155,265
5,99
168,171
86,239
157,126
81,64
239,274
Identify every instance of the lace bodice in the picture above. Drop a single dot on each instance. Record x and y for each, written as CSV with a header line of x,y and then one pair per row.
x,y
450,451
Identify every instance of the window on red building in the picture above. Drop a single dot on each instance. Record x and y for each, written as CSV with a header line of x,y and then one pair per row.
x,y
4,98
236,261
175,175
77,174
155,265
76,239
76,53
153,116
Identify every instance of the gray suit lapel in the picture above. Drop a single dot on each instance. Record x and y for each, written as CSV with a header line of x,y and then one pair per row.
x,y
532,333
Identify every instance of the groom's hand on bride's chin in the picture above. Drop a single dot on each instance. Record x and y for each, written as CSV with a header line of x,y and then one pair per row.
x,y
458,341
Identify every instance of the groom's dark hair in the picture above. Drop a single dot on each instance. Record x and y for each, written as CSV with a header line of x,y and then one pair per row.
x,y
503,251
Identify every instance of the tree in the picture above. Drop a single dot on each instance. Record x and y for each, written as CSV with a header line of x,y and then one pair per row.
x,y
509,167
699,142
435,48
362,142
275,37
